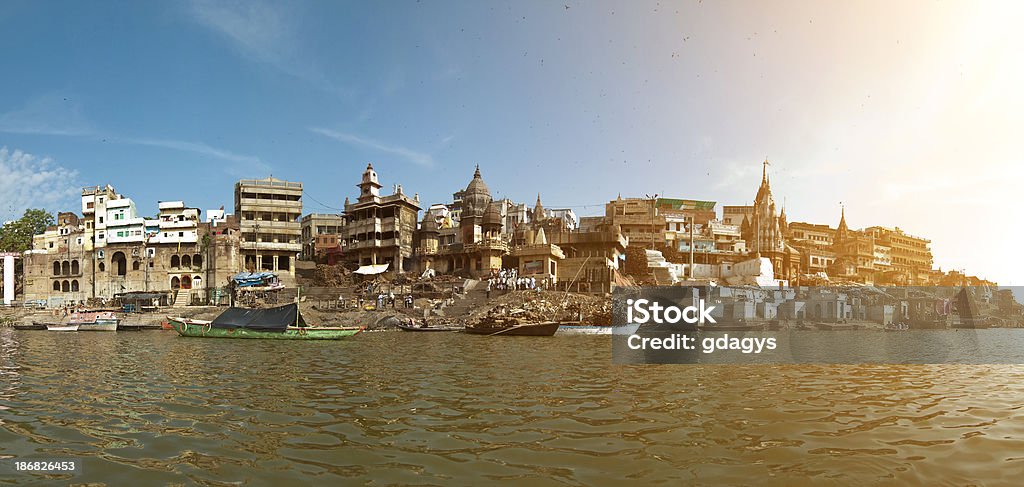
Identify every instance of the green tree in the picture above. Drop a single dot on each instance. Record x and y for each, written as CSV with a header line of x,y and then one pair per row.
x,y
16,236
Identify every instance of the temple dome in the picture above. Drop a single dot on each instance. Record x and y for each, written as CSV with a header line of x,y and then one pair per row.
x,y
476,197
493,214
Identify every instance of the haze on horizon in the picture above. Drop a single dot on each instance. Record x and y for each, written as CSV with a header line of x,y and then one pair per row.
x,y
907,113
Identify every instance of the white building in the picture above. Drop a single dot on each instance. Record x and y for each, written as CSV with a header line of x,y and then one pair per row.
x,y
122,222
178,224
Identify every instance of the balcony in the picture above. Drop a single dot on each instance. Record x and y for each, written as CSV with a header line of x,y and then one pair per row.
x,y
271,246
254,204
265,225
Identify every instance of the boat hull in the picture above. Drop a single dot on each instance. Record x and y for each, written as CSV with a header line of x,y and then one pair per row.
x,y
33,326
533,330
598,330
431,328
97,326
61,327
202,329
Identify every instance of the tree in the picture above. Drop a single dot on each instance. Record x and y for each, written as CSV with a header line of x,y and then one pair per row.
x,y
16,236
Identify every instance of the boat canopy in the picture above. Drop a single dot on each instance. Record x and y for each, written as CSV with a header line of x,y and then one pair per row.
x,y
270,319
372,270
245,279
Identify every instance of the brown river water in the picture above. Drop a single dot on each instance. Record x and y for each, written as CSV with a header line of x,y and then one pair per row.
x,y
392,408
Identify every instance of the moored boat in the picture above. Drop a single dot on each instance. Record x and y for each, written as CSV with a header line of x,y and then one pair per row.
x,y
61,327
32,326
545,329
95,321
428,327
579,329
280,323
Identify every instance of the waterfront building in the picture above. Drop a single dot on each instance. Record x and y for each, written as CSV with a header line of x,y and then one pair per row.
x,y
321,233
765,232
855,253
123,223
268,212
94,213
638,219
379,229
910,256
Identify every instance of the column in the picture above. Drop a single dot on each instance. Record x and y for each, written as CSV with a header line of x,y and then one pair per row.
x,y
8,279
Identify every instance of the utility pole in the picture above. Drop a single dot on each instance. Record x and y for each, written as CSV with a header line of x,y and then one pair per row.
x,y
691,246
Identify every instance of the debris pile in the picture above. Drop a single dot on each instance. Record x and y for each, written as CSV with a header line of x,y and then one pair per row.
x,y
331,276
520,307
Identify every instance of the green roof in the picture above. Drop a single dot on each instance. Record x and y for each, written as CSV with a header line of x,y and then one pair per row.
x,y
679,204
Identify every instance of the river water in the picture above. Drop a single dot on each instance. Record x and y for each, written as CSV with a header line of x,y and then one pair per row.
x,y
150,408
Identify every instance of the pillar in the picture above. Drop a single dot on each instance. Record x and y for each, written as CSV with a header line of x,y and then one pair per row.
x,y
8,279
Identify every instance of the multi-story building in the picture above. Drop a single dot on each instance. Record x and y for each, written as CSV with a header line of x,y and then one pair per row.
x,y
638,219
321,232
812,234
123,224
94,213
734,215
268,212
379,229
910,256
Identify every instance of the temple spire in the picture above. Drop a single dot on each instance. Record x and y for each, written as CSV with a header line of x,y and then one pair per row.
x,y
538,210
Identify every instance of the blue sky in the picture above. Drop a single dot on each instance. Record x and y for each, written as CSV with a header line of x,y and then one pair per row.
x,y
907,113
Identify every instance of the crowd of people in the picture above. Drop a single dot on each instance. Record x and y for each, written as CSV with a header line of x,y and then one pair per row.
x,y
510,280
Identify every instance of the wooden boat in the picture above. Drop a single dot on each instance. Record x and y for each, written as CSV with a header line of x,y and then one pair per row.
x,y
580,329
95,321
280,323
164,325
136,327
204,329
61,327
32,326
545,329
414,327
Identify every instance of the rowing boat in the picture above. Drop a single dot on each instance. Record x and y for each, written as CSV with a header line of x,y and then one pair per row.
x,y
577,329
405,327
545,329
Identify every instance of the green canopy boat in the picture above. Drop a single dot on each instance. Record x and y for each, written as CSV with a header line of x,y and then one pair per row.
x,y
280,323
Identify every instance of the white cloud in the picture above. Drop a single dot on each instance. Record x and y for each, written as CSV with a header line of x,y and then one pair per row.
x,y
410,155
29,181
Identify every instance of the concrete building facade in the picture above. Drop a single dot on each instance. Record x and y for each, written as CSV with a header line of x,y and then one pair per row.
x,y
268,212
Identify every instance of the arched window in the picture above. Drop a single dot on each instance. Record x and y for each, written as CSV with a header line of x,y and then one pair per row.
x,y
56,271
175,283
56,284
135,265
120,263
186,261
103,267
186,282
65,268
175,262
197,261
75,268
74,286
65,286
197,281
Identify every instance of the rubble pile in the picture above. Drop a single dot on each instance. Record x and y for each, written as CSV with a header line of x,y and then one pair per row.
x,y
331,276
520,307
